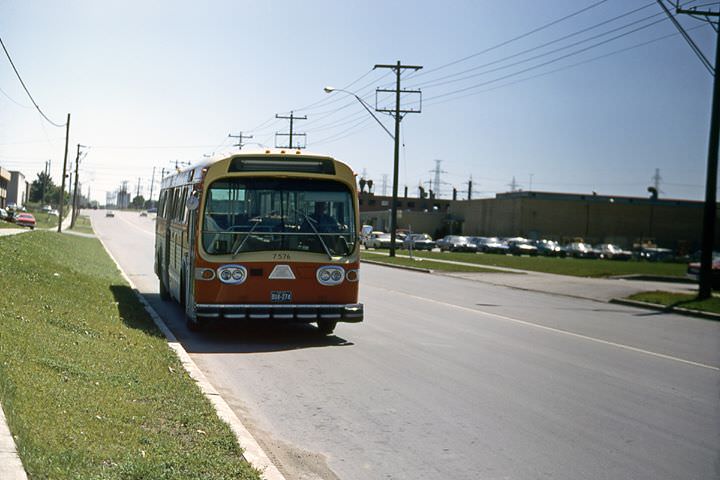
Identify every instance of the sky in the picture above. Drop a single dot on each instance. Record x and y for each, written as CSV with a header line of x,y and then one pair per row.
x,y
560,95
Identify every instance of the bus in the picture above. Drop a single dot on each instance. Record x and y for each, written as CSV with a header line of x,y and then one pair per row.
x,y
270,235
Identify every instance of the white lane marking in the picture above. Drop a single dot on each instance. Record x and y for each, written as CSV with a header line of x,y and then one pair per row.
x,y
146,232
556,330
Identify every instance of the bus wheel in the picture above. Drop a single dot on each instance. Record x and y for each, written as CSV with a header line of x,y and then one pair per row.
x,y
326,327
164,294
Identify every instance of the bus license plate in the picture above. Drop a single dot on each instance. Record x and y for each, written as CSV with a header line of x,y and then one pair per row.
x,y
283,296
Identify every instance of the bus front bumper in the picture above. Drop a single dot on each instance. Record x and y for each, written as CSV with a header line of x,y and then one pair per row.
x,y
352,313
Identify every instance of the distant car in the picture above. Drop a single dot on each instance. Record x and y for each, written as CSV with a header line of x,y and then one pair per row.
x,y
4,215
456,243
381,240
419,241
550,248
693,271
613,252
46,208
152,210
654,254
490,245
53,213
521,246
143,213
25,220
109,213
581,250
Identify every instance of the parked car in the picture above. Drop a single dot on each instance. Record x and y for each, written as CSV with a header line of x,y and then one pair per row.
x,y
4,215
490,244
521,246
581,250
109,213
419,241
456,243
654,254
143,213
53,213
550,248
693,271
25,220
381,240
613,252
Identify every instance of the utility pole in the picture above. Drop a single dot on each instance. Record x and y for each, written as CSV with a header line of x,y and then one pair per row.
x,y
152,184
292,118
708,235
470,188
75,189
240,138
397,113
62,186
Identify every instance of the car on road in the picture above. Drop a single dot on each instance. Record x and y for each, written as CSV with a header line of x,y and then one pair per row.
x,y
381,240
611,251
456,243
109,213
25,220
419,241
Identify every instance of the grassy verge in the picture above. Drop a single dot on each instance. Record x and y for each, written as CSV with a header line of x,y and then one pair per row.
x,y
82,225
89,386
682,300
579,267
423,263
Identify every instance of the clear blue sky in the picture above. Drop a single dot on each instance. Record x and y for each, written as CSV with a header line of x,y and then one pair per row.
x,y
178,76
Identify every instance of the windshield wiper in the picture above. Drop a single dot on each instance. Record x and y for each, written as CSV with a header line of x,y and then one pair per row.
x,y
310,222
257,221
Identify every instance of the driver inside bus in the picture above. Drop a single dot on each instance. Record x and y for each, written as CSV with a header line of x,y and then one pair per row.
x,y
321,220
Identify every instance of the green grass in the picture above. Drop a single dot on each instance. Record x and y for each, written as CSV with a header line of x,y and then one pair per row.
x,y
682,300
564,266
89,386
423,263
82,225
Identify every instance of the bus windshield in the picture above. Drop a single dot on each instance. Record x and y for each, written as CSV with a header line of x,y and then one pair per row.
x,y
266,214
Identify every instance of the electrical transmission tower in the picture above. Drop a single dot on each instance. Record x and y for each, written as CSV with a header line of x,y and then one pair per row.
x,y
437,182
384,184
513,185
240,137
292,118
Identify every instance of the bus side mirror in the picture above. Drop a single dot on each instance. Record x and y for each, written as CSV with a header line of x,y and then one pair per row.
x,y
193,202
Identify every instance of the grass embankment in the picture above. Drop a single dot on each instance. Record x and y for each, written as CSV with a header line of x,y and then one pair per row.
x,y
421,263
579,267
82,225
681,300
89,386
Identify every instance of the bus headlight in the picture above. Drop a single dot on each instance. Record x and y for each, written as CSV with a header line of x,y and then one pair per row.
x,y
330,275
232,274
352,275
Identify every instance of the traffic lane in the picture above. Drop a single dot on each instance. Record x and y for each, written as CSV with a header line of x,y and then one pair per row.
x,y
680,336
414,398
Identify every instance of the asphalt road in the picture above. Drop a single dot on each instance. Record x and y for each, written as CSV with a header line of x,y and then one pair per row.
x,y
451,378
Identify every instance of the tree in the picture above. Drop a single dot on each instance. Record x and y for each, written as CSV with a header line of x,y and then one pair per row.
x,y
43,189
138,202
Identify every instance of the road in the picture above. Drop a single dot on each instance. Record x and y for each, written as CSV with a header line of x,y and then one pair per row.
x,y
451,378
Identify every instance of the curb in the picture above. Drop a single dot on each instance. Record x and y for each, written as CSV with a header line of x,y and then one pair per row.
x,y
401,267
666,309
252,451
11,467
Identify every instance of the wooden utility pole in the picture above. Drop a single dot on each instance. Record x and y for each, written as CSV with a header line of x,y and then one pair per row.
x,y
240,138
62,186
292,117
73,214
397,113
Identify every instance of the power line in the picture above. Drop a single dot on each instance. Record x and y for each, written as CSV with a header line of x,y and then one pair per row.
x,y
688,39
26,89
514,39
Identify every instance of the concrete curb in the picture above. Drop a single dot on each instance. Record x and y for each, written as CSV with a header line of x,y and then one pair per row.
x,y
663,308
11,467
252,451
402,267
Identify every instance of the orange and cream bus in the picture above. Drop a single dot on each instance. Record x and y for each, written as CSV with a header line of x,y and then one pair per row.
x,y
270,235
